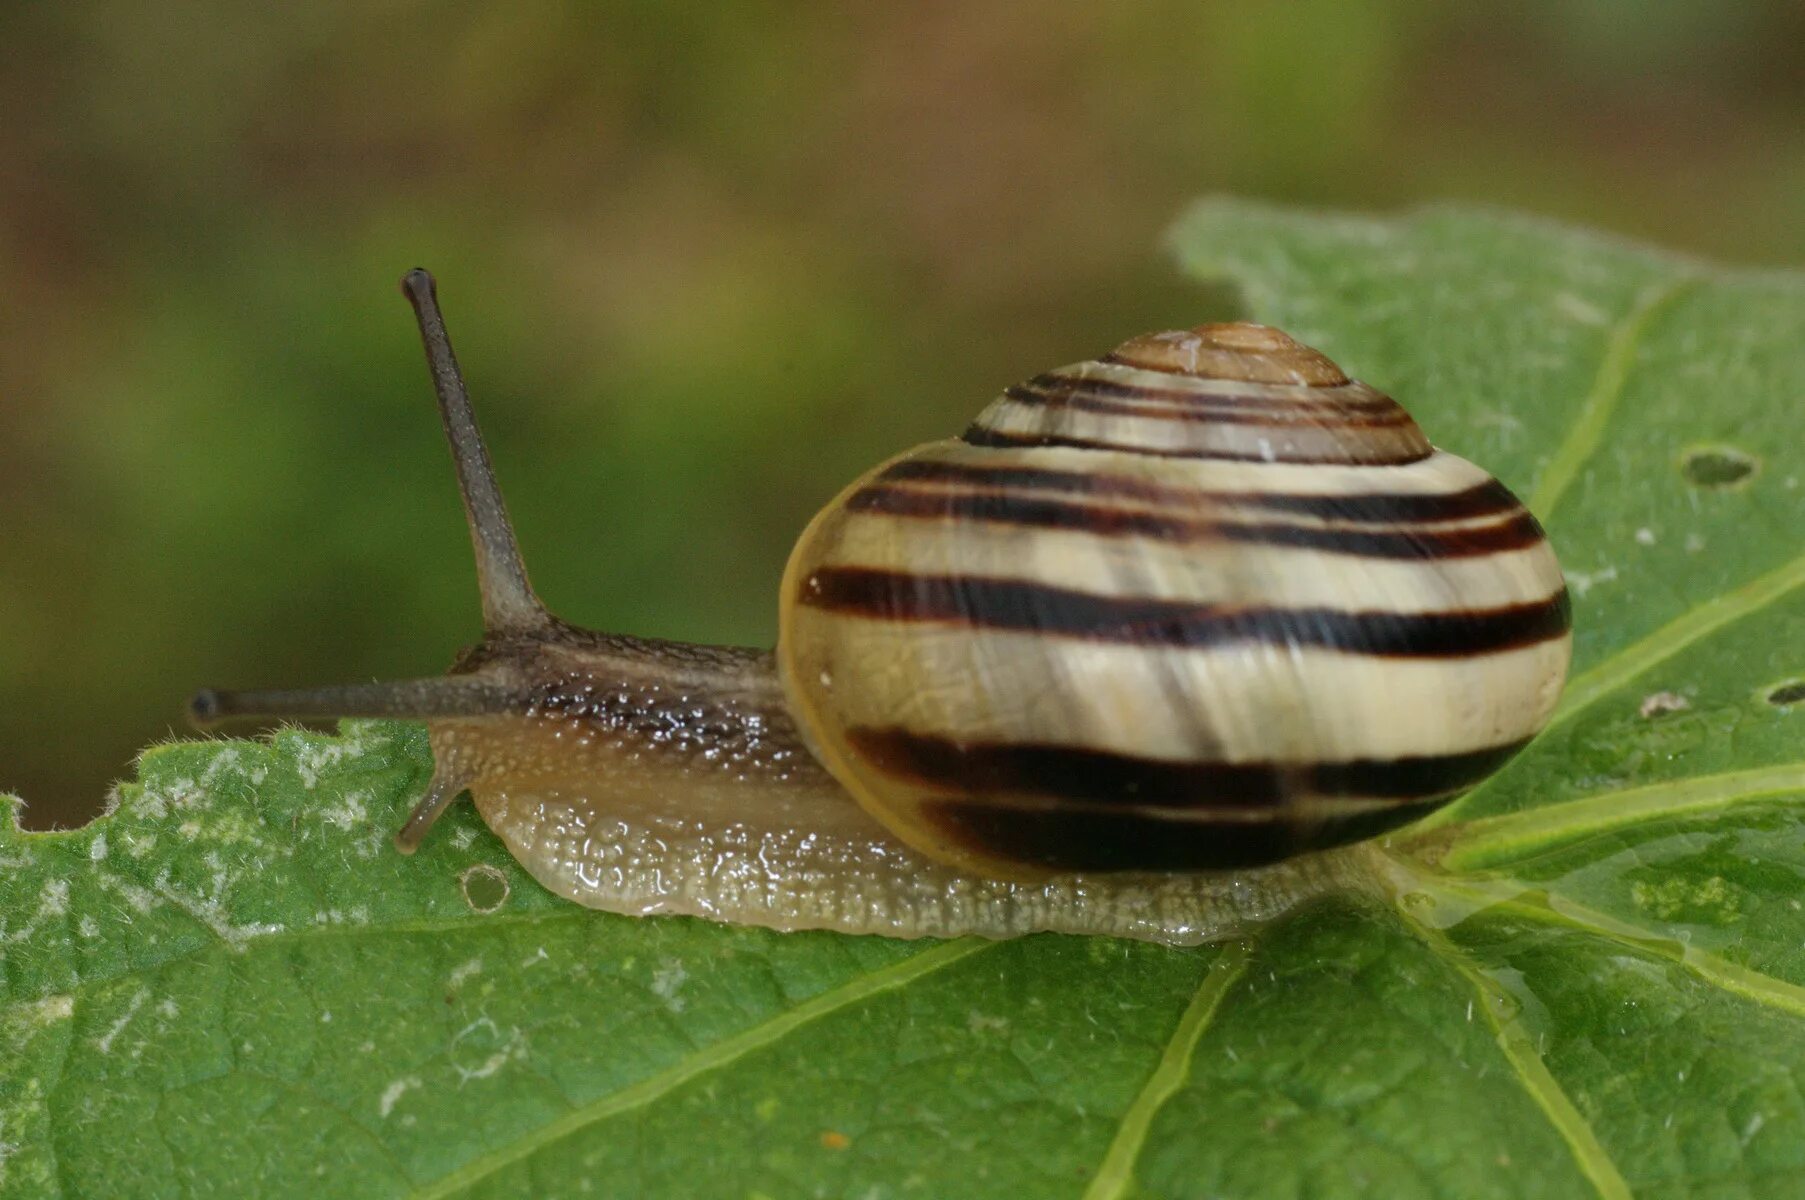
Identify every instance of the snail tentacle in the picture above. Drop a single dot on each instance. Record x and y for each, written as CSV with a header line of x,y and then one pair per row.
x,y
444,787
509,603
400,699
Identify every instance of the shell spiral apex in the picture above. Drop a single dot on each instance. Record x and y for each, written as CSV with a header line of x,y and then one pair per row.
x,y
1234,391
1138,617
1232,350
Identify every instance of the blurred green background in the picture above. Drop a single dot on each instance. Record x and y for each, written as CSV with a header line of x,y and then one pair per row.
x,y
704,262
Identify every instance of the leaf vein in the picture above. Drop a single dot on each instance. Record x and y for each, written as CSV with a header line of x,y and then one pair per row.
x,y
1513,836
1664,643
715,1057
1600,401
1116,1172
1526,1063
1514,896
1678,634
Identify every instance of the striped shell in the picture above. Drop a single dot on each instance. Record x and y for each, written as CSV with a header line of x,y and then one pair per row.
x,y
1202,603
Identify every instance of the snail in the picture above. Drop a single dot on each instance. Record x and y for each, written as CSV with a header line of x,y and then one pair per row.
x,y
1122,658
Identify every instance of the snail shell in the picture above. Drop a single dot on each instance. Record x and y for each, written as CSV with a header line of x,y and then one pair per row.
x,y
1203,603
1154,620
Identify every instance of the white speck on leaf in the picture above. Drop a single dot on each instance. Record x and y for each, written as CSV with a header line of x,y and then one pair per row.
x,y
667,980
208,910
1645,536
1581,310
225,762
104,1043
977,1022
1584,581
465,970
184,794
48,1010
316,757
97,849
394,1092
512,1046
348,814
1508,424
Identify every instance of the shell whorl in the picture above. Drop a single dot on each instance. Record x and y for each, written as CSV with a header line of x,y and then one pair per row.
x,y
1201,604
1234,391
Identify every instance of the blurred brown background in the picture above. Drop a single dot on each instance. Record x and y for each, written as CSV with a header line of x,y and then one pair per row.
x,y
704,262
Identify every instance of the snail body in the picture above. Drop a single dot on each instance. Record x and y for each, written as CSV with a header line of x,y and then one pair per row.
x,y
1118,659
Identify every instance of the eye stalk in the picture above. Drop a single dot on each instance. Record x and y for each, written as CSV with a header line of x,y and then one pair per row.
x,y
511,611
509,605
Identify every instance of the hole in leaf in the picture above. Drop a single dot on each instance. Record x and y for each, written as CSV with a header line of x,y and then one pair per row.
x,y
485,888
1718,466
1785,695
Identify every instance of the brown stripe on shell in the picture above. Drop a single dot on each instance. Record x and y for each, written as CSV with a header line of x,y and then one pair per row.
x,y
1024,606
982,435
1103,777
1081,378
1091,841
1512,533
1202,409
1490,498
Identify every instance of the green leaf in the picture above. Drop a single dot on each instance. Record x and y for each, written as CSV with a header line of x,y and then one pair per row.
x,y
1586,979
